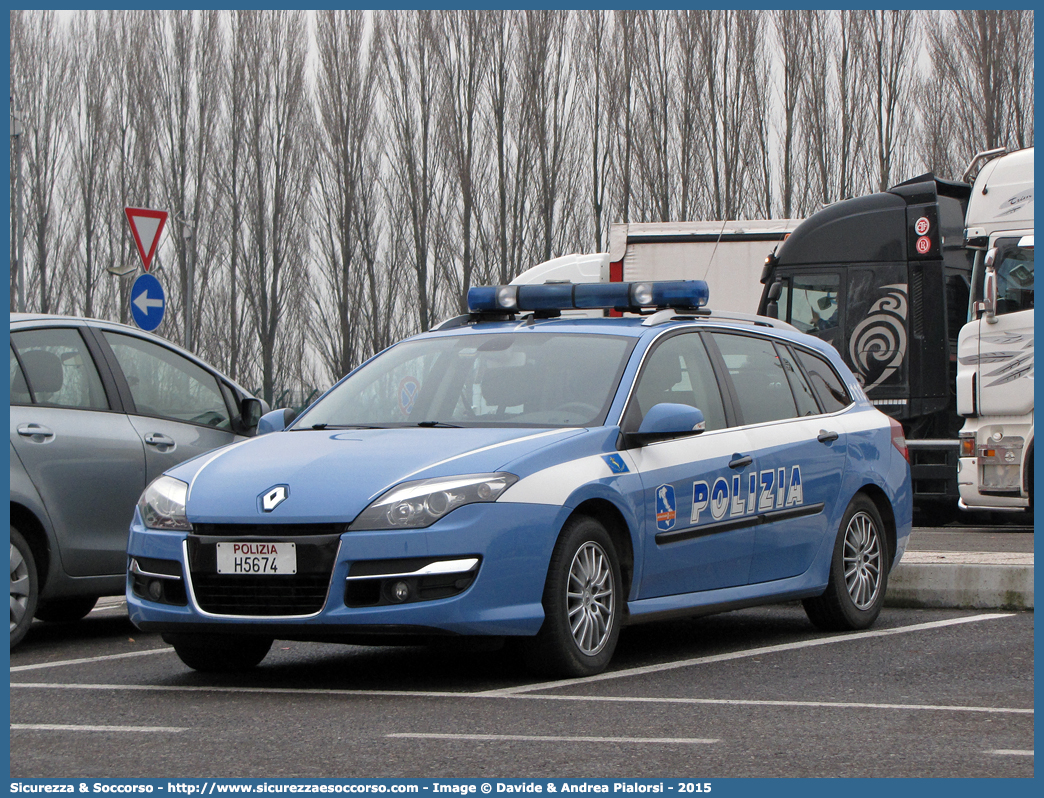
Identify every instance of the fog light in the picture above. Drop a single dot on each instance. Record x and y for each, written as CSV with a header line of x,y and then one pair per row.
x,y
155,589
401,591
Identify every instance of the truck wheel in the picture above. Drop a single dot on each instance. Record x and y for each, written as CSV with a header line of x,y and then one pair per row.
x,y
581,604
65,610
25,590
858,572
219,653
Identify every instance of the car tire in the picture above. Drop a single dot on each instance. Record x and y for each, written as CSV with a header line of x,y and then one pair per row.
x,y
65,610
25,587
582,599
220,653
858,572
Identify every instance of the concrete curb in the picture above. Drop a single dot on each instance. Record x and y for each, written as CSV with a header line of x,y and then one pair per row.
x,y
962,580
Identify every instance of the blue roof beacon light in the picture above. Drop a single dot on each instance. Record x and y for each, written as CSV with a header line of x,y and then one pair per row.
x,y
551,298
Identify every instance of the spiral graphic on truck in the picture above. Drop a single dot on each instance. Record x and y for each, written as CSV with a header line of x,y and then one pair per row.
x,y
878,343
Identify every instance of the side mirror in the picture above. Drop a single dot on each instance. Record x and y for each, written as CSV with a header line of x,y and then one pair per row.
x,y
989,288
250,410
772,306
664,421
276,421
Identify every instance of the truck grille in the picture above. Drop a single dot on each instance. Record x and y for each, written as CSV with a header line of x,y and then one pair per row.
x,y
303,593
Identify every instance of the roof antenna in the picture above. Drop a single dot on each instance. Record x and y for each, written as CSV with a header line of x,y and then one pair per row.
x,y
714,251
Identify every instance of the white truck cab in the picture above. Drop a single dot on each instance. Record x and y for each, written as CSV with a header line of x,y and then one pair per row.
x,y
995,347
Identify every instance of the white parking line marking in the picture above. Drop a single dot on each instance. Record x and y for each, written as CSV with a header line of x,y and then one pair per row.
x,y
69,727
523,696
88,660
1009,752
751,652
535,738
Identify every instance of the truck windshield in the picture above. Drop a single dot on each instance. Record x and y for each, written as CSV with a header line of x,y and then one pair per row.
x,y
499,379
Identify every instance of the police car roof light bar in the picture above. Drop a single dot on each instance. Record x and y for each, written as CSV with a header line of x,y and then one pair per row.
x,y
553,297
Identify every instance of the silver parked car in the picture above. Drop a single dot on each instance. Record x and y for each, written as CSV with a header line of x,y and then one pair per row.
x,y
98,410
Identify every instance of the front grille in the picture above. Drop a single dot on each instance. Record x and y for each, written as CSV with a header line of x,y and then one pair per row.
x,y
278,531
303,593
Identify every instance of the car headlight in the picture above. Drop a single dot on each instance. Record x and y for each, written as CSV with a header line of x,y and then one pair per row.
x,y
162,505
417,504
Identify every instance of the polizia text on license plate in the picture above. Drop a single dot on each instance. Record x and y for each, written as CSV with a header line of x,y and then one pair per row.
x,y
257,558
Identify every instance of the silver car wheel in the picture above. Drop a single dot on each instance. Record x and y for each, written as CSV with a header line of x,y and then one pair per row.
x,y
590,598
862,560
20,587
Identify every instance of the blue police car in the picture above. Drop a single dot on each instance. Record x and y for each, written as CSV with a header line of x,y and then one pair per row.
x,y
517,472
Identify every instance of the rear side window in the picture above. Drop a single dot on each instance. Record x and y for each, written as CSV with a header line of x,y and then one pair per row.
x,y
758,375
832,393
806,400
165,384
58,368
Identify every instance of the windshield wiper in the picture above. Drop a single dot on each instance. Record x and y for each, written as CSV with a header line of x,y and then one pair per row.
x,y
437,424
339,426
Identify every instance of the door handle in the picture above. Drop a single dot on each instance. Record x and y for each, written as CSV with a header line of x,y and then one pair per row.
x,y
157,439
826,436
740,461
37,433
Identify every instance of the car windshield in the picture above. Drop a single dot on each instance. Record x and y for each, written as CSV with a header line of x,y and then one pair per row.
x,y
520,378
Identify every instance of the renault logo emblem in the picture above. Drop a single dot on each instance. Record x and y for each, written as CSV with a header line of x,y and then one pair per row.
x,y
273,497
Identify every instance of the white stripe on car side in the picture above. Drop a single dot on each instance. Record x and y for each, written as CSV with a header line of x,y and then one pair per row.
x,y
556,484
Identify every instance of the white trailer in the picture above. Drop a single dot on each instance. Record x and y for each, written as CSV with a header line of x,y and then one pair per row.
x,y
729,255
995,348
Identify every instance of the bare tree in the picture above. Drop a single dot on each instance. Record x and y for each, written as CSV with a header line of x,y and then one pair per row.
x,y
624,33
793,29
463,63
889,75
40,83
345,88
91,154
599,98
188,55
655,89
278,136
981,56
509,125
726,47
690,153
415,189
549,80
133,136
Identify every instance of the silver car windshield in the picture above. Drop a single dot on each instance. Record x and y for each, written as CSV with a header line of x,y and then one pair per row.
x,y
520,378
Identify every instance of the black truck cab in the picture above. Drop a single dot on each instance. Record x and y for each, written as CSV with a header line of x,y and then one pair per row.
x,y
884,278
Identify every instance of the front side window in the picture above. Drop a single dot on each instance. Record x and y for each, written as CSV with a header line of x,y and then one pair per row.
x,y
168,385
58,368
497,379
678,371
813,302
759,377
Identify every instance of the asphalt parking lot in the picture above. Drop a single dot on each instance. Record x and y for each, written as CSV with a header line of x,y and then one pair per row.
x,y
752,693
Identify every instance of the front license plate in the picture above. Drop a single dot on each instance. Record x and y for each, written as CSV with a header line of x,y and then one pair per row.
x,y
266,559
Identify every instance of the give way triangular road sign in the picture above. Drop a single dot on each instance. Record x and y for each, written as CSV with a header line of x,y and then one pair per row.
x,y
146,225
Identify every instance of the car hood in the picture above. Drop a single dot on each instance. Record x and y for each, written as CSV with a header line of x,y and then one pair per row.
x,y
332,476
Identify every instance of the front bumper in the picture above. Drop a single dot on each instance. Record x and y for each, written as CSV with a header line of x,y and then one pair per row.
x,y
502,595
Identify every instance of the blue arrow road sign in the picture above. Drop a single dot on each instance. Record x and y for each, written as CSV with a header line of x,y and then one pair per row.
x,y
147,302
